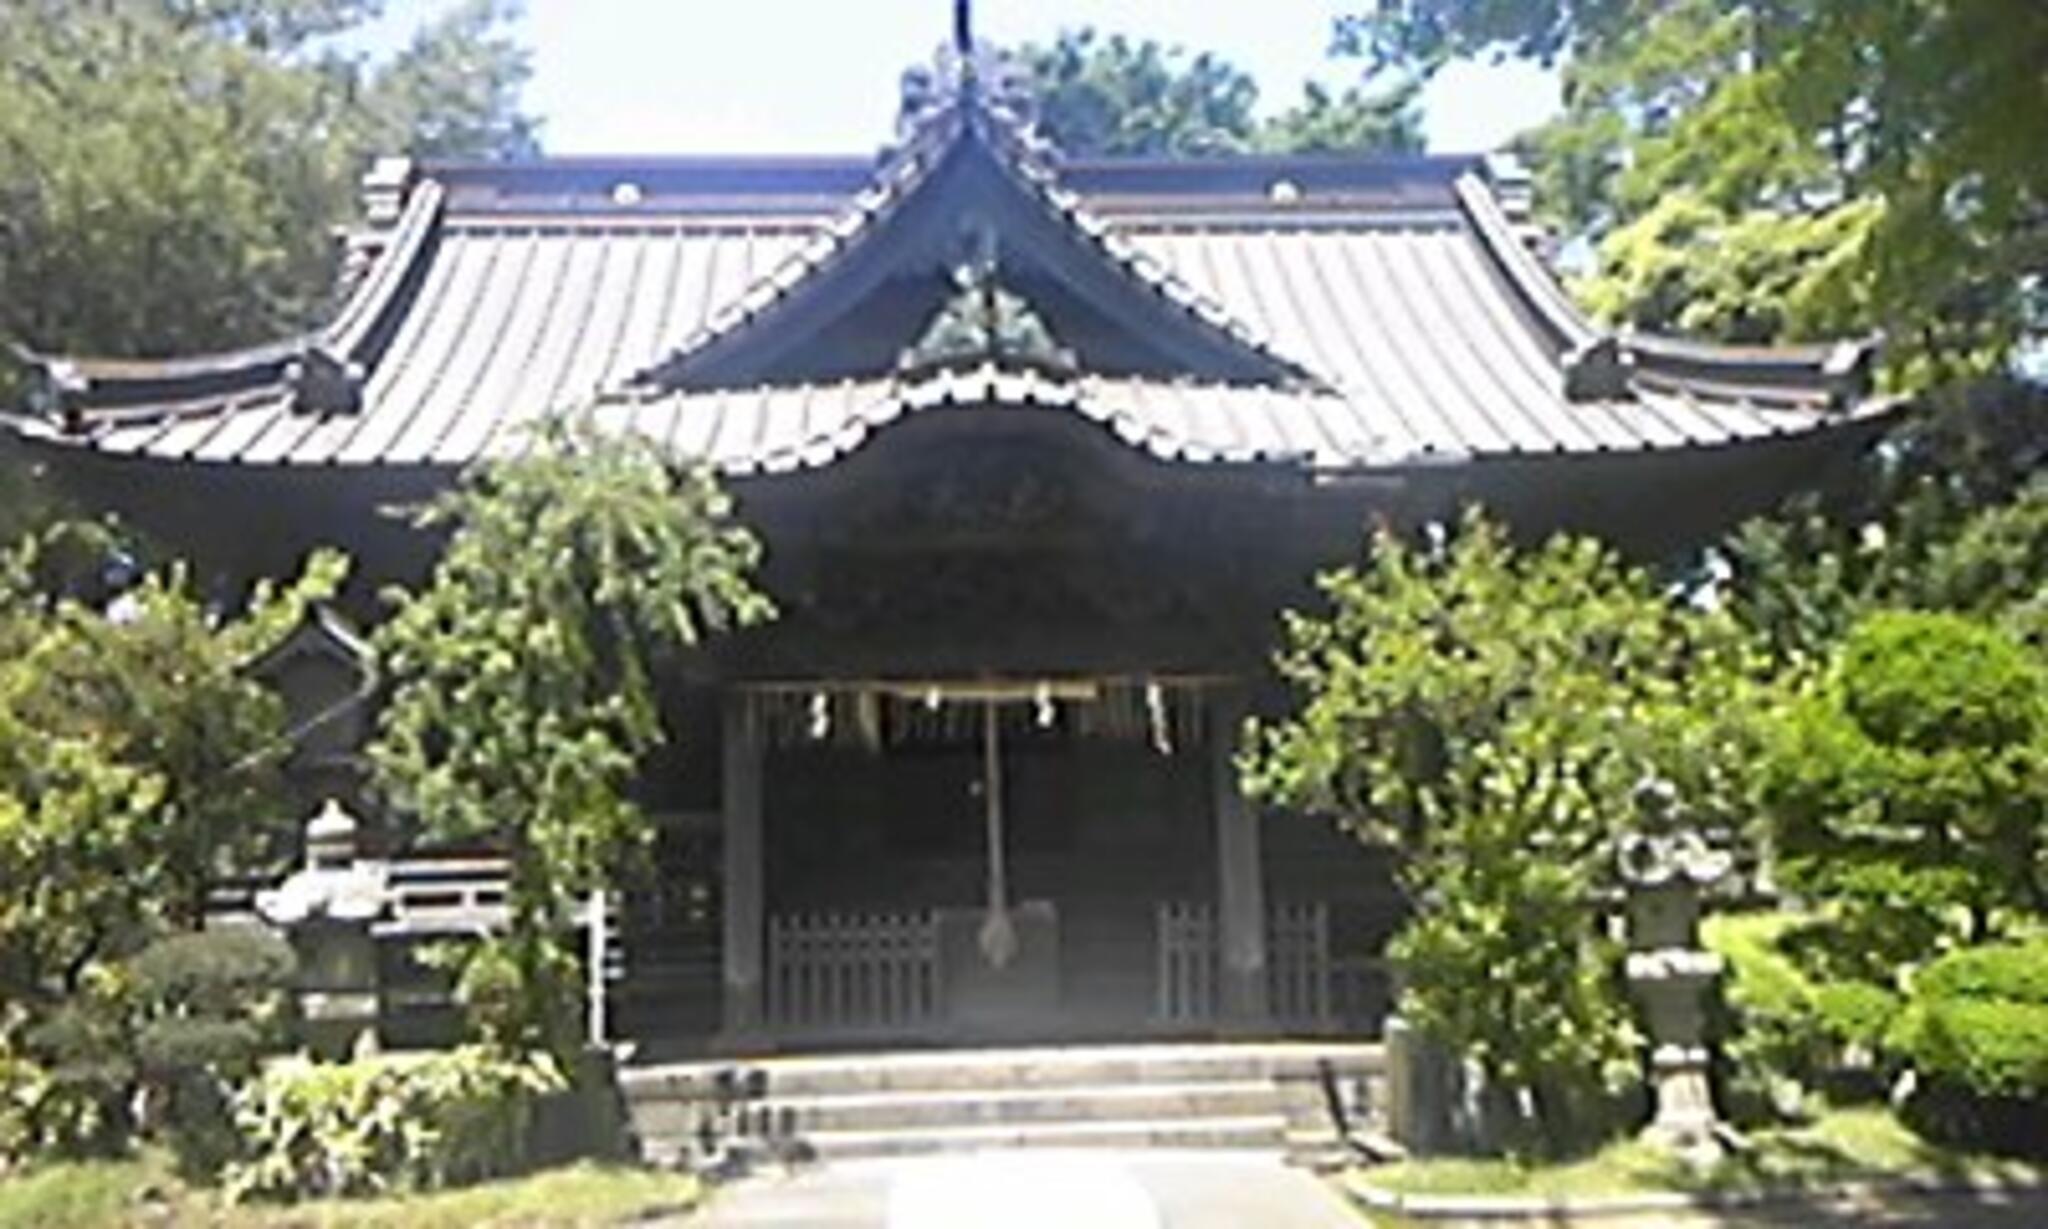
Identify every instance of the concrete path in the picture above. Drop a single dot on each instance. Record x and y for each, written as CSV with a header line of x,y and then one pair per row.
x,y
1034,1190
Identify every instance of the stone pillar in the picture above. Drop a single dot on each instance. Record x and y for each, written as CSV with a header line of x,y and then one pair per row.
x,y
1419,1088
1241,883
744,930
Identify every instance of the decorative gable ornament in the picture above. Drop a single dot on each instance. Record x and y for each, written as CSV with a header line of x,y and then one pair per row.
x,y
1600,370
957,76
323,383
985,322
55,387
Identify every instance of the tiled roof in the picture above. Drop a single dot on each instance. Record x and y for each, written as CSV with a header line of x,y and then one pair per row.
x,y
1399,314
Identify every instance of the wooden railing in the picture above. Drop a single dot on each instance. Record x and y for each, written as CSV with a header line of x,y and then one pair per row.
x,y
1307,985
1187,963
1298,963
850,972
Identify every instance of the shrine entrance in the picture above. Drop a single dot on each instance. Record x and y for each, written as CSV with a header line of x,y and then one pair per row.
x,y
978,859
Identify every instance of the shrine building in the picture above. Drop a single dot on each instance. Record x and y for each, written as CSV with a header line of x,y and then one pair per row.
x,y
1039,448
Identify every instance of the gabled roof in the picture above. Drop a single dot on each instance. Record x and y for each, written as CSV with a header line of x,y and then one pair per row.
x,y
1301,312
966,171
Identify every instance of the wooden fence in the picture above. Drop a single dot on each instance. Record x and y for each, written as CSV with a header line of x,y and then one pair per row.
x,y
1187,963
1307,985
853,972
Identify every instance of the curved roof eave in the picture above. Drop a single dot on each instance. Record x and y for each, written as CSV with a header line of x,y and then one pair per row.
x,y
1837,371
346,336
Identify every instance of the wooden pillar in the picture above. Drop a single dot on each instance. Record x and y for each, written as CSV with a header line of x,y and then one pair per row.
x,y
1241,993
744,928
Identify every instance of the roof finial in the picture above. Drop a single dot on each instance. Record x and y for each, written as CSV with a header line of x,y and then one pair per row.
x,y
963,27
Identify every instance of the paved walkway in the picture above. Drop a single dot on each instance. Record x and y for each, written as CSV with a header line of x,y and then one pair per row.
x,y
1036,1190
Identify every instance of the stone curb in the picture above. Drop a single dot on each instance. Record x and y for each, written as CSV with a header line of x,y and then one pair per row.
x,y
1513,1208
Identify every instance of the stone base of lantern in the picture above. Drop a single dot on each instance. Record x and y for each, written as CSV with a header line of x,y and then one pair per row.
x,y
1685,1122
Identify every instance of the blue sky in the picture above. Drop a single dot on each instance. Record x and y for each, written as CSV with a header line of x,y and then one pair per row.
x,y
802,76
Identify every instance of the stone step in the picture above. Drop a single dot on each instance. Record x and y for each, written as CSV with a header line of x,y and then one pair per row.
x,y
1263,1132
1030,1067
1260,1095
875,1111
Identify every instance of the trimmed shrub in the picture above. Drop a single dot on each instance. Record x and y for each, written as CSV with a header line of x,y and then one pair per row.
x,y
1762,1016
1785,1031
1905,790
1855,1014
1933,682
2015,972
77,1103
208,1006
1977,1038
397,1122
1990,1047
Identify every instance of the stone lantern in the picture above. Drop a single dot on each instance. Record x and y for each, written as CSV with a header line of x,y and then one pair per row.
x,y
327,909
1665,873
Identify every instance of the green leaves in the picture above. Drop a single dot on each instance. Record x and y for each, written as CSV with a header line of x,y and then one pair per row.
x,y
1349,122
1783,170
136,760
404,1122
171,171
523,674
1909,784
1115,95
1492,712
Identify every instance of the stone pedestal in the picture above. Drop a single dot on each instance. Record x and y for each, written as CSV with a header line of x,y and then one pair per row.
x,y
338,987
1419,1089
1670,983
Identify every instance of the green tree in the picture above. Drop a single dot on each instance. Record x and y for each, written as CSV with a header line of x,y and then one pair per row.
x,y
1351,121
453,91
1113,95
1117,95
523,681
1907,789
171,171
1859,160
1950,513
1494,715
136,761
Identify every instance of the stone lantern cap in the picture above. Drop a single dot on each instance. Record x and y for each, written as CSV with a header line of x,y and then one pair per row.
x,y
1675,859
335,884
331,836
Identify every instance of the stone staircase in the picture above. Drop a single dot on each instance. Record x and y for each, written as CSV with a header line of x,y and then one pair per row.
x,y
1269,1096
